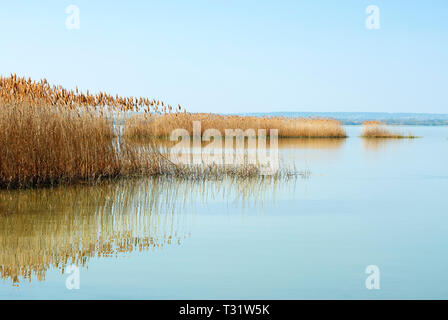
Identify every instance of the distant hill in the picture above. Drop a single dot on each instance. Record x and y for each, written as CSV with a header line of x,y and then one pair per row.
x,y
356,118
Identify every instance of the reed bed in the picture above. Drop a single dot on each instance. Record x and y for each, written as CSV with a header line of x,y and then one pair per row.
x,y
48,145
51,136
377,129
162,125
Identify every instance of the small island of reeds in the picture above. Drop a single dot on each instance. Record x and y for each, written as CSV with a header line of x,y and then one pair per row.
x,y
379,130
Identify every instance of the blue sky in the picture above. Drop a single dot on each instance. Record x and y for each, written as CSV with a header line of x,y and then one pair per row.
x,y
238,56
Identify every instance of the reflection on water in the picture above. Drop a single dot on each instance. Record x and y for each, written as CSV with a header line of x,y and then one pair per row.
x,y
291,151
367,201
40,228
375,149
285,143
45,228
318,143
376,145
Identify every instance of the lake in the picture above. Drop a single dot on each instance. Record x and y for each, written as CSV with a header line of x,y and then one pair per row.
x,y
365,202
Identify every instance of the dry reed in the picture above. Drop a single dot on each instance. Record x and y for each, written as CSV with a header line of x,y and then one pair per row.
x,y
51,136
377,129
44,146
19,89
163,125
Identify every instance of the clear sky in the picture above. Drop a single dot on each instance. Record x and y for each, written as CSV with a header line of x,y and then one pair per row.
x,y
238,56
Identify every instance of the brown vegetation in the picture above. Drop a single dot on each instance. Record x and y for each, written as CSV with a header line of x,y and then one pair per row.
x,y
19,89
50,135
377,129
163,125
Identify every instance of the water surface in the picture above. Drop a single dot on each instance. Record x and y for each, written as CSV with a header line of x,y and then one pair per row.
x,y
367,202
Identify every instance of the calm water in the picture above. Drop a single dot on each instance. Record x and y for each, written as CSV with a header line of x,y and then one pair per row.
x,y
366,203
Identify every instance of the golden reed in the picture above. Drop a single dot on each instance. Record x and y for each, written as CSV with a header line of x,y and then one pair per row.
x,y
19,89
163,125
47,145
377,129
49,136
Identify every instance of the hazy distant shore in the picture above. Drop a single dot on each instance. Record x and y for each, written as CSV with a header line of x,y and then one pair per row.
x,y
357,118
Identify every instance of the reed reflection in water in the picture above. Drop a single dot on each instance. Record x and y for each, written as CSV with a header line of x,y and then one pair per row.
x,y
52,228
294,153
376,145
283,143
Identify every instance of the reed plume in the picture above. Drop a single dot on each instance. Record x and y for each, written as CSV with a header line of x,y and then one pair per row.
x,y
19,89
